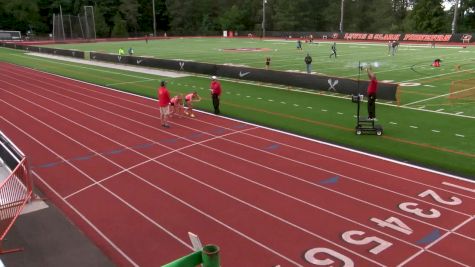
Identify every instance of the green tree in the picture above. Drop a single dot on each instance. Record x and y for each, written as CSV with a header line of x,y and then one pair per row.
x,y
129,10
102,29
427,16
120,27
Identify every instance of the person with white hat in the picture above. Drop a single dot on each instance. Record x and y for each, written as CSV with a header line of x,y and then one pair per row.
x,y
215,89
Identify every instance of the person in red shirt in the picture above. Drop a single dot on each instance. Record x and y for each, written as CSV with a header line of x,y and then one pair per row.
x,y
189,99
215,88
163,103
372,89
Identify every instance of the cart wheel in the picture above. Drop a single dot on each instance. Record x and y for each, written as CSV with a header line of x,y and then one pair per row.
x,y
379,132
358,131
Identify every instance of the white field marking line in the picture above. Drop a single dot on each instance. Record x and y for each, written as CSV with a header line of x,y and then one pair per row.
x,y
134,103
439,96
309,139
285,221
310,204
459,187
300,137
414,127
301,90
167,193
460,135
394,123
149,159
459,113
139,81
82,216
76,168
103,187
119,144
436,131
435,242
164,191
271,169
189,205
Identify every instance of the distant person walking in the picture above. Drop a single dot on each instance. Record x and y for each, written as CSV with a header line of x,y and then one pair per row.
x,y
308,63
215,88
164,104
372,89
121,51
131,51
267,63
299,44
333,48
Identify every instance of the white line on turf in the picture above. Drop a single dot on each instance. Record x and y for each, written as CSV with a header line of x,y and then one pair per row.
x,y
460,135
412,126
394,123
436,131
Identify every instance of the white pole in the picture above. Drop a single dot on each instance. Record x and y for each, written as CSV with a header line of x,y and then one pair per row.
x,y
341,16
454,21
62,22
264,18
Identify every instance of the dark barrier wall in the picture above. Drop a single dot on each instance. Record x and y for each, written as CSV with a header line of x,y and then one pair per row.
x,y
302,80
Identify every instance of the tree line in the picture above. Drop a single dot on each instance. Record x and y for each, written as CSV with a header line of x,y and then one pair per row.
x,y
117,18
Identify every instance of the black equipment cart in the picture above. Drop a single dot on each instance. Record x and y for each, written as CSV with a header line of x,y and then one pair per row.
x,y
365,125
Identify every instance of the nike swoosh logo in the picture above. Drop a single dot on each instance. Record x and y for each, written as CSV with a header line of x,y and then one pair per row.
x,y
139,61
242,74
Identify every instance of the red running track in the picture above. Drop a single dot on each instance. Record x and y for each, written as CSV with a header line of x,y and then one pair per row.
x,y
267,198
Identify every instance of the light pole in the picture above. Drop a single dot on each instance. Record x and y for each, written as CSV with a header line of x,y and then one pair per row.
x,y
154,19
341,16
454,21
264,2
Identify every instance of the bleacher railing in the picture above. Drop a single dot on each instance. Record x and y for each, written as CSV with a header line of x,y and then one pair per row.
x,y
15,190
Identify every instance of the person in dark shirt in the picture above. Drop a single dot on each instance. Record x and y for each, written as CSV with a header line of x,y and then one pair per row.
x,y
333,48
308,62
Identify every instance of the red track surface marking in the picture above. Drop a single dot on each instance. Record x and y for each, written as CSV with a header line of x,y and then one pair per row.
x,y
254,192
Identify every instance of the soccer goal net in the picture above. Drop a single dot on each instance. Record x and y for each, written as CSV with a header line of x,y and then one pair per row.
x,y
10,35
462,89
81,26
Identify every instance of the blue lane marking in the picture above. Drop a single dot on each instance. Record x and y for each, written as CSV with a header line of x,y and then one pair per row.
x,y
219,131
272,147
114,151
146,145
92,155
195,135
169,140
240,126
332,180
49,165
429,238
85,157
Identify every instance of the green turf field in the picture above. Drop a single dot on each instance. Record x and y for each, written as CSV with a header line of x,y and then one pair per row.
x,y
428,128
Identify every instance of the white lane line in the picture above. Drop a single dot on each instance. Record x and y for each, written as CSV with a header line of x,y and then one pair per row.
x,y
459,187
436,131
324,110
412,126
339,113
458,113
309,107
439,110
283,102
394,123
460,135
